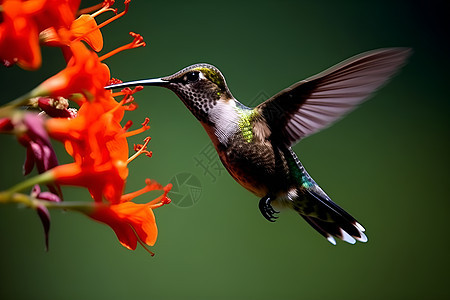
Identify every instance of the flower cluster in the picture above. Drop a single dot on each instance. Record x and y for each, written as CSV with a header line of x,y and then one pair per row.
x,y
93,135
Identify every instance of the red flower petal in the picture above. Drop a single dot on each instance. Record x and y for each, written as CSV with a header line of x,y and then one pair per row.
x,y
130,222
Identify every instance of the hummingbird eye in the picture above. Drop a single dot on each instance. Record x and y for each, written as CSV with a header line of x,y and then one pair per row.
x,y
192,76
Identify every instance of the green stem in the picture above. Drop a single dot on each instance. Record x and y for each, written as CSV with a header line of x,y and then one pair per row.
x,y
80,206
6,197
72,205
39,179
23,100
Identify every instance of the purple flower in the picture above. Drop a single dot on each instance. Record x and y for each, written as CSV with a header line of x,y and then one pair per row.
x,y
56,107
40,152
44,215
42,211
47,196
37,142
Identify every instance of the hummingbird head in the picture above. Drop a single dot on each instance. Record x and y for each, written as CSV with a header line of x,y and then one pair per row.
x,y
199,86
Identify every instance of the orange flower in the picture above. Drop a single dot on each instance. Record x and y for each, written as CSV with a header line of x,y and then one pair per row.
x,y
84,74
93,136
83,28
99,147
133,222
22,22
56,13
19,36
86,27
98,144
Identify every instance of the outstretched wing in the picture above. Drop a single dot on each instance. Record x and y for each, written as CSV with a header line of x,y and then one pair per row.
x,y
315,103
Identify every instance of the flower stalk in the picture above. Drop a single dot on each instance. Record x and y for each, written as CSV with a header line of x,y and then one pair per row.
x,y
92,134
43,178
31,202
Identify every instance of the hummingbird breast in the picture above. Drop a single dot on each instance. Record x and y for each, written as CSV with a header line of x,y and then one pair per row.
x,y
258,166
242,140
252,159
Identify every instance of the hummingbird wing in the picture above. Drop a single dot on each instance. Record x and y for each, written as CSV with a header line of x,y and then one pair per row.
x,y
315,103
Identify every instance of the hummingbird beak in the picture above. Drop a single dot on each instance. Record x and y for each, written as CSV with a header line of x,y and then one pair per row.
x,y
151,82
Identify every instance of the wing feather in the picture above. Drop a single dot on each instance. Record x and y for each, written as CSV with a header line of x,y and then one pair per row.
x,y
315,103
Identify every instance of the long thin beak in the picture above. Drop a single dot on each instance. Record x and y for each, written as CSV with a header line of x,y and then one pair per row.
x,y
154,82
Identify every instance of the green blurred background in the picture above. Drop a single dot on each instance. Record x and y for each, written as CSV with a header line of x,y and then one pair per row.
x,y
387,163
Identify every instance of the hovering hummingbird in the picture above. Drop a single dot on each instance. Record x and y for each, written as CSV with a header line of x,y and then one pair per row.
x,y
254,144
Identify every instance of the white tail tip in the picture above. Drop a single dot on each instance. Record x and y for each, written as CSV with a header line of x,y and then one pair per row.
x,y
363,237
331,240
347,237
360,227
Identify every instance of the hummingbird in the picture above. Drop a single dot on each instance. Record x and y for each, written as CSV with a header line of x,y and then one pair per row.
x,y
255,144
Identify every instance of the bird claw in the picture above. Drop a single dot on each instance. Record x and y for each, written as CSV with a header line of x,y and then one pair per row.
x,y
267,210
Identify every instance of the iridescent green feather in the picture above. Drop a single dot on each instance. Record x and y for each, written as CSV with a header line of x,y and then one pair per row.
x,y
298,172
213,76
246,118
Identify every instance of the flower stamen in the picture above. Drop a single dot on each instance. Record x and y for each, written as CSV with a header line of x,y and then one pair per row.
x,y
141,149
150,185
138,41
144,127
127,91
144,246
114,81
163,199
126,2
127,125
105,6
98,7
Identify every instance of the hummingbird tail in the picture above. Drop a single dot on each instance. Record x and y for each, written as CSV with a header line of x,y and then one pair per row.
x,y
330,220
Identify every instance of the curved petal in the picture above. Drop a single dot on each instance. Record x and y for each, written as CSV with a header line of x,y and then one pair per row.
x,y
82,27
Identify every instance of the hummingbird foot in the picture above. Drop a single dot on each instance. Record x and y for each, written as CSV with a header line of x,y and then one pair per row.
x,y
267,210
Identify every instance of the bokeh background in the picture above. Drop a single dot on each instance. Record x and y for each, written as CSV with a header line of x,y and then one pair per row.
x,y
387,163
